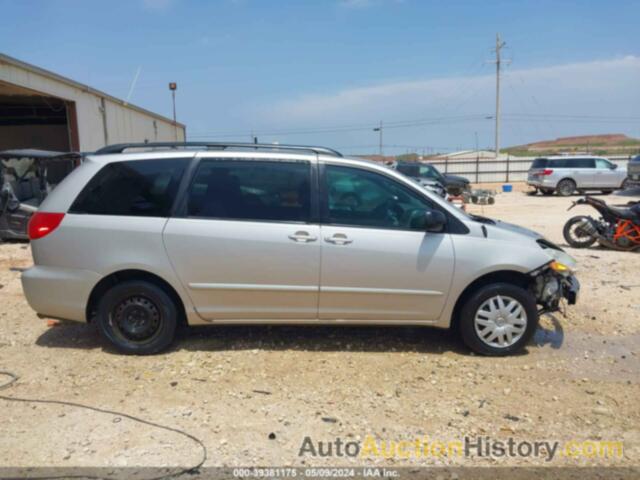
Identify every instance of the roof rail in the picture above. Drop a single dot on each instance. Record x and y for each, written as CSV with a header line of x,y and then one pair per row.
x,y
121,147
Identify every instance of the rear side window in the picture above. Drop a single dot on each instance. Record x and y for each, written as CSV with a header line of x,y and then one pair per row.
x,y
251,190
539,163
142,188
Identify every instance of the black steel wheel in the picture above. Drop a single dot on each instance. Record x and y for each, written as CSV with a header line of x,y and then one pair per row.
x,y
138,317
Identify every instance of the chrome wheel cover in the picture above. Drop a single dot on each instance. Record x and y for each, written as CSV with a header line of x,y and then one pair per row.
x,y
500,321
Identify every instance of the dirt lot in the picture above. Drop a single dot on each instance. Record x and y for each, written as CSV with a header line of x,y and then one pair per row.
x,y
253,394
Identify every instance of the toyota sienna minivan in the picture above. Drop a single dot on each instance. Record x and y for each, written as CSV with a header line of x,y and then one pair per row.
x,y
144,237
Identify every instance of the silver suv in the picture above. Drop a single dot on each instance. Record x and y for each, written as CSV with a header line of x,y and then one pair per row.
x,y
565,175
139,243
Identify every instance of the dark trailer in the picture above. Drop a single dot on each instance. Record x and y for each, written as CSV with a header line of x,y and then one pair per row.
x,y
26,178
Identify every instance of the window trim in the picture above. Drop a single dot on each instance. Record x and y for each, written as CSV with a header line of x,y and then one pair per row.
x,y
453,224
181,210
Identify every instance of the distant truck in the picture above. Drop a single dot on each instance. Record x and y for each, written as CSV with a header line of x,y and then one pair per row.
x,y
454,184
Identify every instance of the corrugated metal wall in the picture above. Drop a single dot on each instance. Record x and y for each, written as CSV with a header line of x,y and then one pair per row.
x,y
124,123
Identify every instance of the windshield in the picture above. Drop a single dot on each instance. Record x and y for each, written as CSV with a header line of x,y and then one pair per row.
x,y
429,171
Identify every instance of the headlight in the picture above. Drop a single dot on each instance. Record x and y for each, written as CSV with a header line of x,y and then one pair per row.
x,y
560,268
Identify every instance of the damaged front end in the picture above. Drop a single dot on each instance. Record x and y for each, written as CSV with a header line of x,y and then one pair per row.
x,y
552,283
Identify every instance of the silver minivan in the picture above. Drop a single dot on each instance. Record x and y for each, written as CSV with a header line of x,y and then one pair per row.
x,y
567,174
143,237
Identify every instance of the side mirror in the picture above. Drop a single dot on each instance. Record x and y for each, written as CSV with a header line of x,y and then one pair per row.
x,y
434,221
614,166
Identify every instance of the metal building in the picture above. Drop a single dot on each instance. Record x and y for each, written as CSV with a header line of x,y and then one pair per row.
x,y
44,110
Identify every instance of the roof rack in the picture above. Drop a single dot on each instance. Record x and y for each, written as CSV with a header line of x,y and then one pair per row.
x,y
121,147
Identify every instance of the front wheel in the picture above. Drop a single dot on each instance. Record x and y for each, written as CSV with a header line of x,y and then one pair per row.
x,y
137,317
579,232
498,319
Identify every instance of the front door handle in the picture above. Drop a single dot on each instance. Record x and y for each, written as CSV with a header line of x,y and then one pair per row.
x,y
302,237
338,239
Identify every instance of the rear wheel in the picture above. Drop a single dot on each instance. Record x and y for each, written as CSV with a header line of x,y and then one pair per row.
x,y
498,319
137,317
566,187
578,232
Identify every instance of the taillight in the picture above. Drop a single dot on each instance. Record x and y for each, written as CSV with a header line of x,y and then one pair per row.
x,y
43,223
547,171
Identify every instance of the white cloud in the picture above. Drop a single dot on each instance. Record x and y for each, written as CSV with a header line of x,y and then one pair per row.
x,y
597,88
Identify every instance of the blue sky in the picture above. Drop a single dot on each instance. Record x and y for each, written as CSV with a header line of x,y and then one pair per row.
x,y
325,71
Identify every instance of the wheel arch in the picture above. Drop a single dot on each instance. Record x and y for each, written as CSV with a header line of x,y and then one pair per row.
x,y
120,276
512,277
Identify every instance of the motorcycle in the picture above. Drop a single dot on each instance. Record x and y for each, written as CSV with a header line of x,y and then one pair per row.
x,y
617,228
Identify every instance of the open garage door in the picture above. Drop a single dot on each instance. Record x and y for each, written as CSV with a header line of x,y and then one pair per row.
x,y
29,119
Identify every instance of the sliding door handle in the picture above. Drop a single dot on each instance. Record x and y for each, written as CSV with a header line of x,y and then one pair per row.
x,y
338,239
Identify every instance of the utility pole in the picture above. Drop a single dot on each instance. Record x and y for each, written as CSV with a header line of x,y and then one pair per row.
x,y
499,45
379,129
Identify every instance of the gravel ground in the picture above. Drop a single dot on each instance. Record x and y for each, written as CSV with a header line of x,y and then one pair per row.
x,y
252,394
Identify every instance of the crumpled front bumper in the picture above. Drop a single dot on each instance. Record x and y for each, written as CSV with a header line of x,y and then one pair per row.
x,y
570,289
550,288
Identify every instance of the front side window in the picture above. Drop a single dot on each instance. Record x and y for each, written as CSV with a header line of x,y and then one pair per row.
x,y
362,198
251,190
601,163
142,188
582,163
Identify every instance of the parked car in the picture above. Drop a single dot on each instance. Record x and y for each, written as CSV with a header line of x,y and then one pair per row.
x,y
566,175
634,173
26,178
421,171
432,185
244,233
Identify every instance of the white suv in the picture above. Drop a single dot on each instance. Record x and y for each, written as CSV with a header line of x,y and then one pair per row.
x,y
236,233
565,175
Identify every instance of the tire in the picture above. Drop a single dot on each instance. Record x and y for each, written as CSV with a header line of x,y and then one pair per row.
x,y
137,317
546,191
477,324
566,187
625,184
574,237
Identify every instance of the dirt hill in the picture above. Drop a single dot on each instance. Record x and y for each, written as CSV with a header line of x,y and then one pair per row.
x,y
611,144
